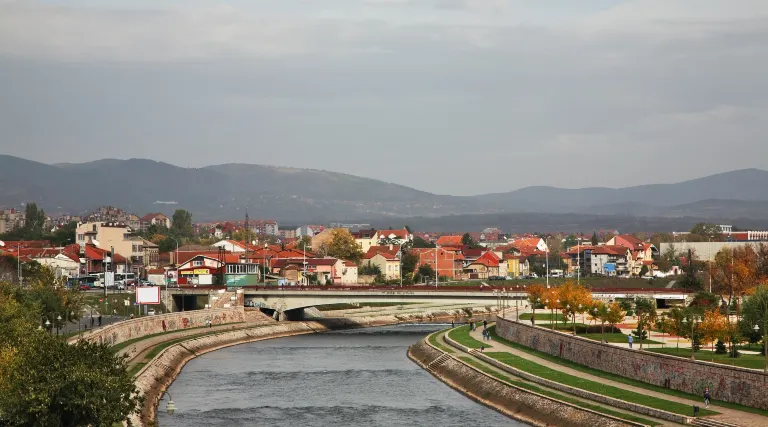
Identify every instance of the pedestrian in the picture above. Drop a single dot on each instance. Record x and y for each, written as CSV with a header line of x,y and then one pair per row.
x,y
131,315
452,323
163,325
99,319
629,339
482,347
532,323
706,397
485,324
92,322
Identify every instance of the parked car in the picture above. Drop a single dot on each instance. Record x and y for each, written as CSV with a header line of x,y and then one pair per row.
x,y
120,285
84,287
151,312
496,278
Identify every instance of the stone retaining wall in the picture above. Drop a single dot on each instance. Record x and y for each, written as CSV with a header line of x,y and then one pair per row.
x,y
148,325
729,384
515,402
157,375
633,407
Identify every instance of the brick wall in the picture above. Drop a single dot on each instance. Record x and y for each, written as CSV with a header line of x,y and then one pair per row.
x,y
730,384
143,326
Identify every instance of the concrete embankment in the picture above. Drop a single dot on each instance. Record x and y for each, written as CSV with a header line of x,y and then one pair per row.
x,y
518,403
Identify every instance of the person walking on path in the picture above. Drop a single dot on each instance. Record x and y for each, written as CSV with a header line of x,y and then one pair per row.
x,y
99,319
485,324
629,338
706,397
163,325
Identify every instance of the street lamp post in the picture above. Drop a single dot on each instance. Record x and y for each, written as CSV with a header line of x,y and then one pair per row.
x,y
263,266
170,407
58,323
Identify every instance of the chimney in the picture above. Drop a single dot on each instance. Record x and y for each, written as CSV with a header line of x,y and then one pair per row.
x,y
390,247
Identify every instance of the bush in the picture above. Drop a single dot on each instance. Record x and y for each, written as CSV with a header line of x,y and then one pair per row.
x,y
734,353
720,347
630,313
640,336
696,343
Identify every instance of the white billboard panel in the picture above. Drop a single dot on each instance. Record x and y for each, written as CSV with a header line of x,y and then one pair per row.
x,y
147,295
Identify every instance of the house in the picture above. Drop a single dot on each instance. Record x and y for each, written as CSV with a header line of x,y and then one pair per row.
x,y
349,273
157,219
97,260
609,260
395,237
517,265
321,238
327,270
366,238
64,263
264,227
641,252
485,266
201,270
530,244
447,261
106,235
387,258
450,240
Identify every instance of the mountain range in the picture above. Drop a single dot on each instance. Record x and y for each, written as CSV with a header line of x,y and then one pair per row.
x,y
293,195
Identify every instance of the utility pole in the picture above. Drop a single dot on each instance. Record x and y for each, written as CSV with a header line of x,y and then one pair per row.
x,y
436,268
546,242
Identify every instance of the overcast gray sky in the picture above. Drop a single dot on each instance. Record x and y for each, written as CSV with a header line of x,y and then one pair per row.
x,y
449,96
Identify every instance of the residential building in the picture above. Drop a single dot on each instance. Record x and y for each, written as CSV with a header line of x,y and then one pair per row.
x,y
517,265
11,219
641,252
232,246
349,273
264,227
366,238
395,237
609,260
107,235
387,258
309,230
326,270
447,261
485,266
64,263
287,233
450,240
157,219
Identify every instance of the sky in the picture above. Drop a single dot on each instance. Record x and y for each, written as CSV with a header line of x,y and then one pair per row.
x,y
449,96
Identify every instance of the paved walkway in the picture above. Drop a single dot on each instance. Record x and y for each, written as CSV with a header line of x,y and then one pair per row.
x,y
726,415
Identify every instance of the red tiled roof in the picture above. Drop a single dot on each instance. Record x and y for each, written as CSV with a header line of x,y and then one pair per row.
x,y
488,259
151,216
449,241
383,250
399,234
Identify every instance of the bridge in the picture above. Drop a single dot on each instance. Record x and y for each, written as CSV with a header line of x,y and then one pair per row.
x,y
290,302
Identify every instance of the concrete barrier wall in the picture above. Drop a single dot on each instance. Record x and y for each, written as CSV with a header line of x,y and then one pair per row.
x,y
143,326
729,384
525,405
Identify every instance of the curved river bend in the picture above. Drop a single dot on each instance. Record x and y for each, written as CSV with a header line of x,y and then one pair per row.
x,y
355,378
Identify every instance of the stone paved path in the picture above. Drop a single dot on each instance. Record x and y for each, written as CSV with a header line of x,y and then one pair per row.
x,y
726,415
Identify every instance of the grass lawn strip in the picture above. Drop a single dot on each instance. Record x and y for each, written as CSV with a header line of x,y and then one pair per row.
x,y
541,316
580,403
594,387
614,337
436,340
751,361
117,347
461,336
619,378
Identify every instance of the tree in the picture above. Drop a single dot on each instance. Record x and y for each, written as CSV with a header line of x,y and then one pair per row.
x,y
714,327
51,383
613,315
646,315
181,223
535,295
426,271
735,272
342,245
65,235
467,240
418,242
707,231
245,235
574,299
304,244
570,241
594,239
643,270
409,262
34,220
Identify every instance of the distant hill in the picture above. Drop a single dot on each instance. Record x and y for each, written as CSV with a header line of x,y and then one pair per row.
x,y
306,195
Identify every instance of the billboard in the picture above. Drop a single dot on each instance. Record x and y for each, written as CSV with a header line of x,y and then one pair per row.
x,y
147,295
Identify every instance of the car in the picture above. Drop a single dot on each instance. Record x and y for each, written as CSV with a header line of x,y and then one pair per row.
x,y
151,312
120,285
496,278
145,283
84,287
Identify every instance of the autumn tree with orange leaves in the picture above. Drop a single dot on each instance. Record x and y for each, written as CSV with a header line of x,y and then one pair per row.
x,y
536,293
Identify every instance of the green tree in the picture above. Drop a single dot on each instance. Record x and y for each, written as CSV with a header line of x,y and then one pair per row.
x,y
418,242
409,261
594,238
643,270
707,231
570,241
646,316
304,244
466,239
426,271
49,382
65,235
181,223
34,220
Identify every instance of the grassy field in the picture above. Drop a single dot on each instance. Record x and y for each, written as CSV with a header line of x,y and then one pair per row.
x,y
616,338
594,387
564,398
751,361
461,336
619,378
542,316
436,340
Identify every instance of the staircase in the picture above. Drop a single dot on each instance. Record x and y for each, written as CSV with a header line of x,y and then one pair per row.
x,y
444,357
704,422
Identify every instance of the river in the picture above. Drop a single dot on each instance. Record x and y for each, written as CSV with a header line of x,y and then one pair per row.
x,y
359,377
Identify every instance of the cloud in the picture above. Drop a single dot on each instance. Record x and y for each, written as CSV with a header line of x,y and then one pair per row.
x,y
517,90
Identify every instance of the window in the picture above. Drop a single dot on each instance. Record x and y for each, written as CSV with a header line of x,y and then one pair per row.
x,y
197,263
94,228
81,237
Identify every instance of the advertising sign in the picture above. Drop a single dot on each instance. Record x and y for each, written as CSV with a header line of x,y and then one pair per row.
x,y
147,295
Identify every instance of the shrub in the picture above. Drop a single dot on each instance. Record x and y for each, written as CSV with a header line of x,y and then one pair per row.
x,y
630,313
596,329
720,347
